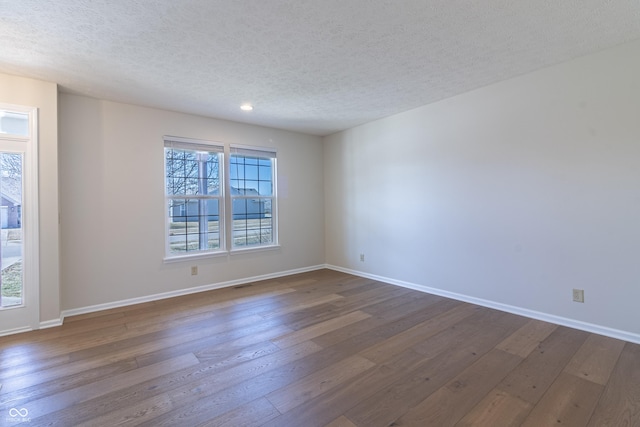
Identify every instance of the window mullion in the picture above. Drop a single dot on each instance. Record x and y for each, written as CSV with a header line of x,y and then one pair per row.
x,y
203,217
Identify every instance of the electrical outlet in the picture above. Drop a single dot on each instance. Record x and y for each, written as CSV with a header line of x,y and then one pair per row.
x,y
362,257
578,295
194,270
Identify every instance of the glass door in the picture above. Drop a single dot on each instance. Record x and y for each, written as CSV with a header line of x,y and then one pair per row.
x,y
19,305
11,243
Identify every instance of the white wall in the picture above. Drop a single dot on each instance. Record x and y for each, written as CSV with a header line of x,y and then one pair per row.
x,y
44,96
513,193
112,202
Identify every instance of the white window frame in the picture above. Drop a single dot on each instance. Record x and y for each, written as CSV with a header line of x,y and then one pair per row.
x,y
225,198
264,153
28,146
204,146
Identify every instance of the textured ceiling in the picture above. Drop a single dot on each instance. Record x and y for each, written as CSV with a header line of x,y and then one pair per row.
x,y
315,66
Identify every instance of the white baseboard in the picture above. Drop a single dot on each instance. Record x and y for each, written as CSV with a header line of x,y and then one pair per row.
x,y
51,323
6,332
41,325
180,292
551,318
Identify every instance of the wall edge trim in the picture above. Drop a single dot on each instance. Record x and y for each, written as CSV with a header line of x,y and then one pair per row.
x,y
181,292
7,332
538,315
51,323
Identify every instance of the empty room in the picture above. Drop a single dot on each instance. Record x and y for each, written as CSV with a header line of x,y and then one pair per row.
x,y
319,213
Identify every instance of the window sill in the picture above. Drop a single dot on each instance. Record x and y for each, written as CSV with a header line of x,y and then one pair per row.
x,y
205,255
254,249
195,256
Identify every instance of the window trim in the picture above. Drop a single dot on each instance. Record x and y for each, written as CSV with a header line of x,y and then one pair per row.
x,y
225,204
195,145
29,146
260,152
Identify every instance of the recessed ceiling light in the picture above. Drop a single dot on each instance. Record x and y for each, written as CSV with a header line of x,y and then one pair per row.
x,y
246,107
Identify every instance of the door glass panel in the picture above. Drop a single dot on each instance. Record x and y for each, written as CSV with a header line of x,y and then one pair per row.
x,y
14,123
11,243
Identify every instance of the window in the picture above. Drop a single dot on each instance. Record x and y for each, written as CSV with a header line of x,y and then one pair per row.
x,y
194,196
252,189
19,243
14,123
198,200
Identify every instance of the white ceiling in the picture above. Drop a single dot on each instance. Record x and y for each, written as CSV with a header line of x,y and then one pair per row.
x,y
314,66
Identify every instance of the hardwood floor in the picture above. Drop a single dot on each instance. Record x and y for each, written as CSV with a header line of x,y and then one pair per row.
x,y
316,349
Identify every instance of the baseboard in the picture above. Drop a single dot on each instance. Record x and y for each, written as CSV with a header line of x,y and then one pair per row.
x,y
15,331
41,325
180,292
551,318
50,323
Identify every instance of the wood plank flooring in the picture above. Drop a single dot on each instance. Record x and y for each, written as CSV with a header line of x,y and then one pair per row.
x,y
316,349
